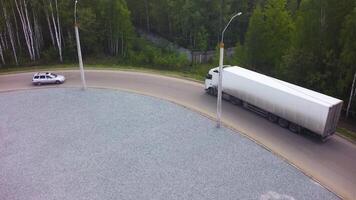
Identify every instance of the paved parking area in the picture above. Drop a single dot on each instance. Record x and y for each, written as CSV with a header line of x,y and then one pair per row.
x,y
107,144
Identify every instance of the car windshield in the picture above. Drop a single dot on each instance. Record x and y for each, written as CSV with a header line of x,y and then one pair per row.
x,y
55,75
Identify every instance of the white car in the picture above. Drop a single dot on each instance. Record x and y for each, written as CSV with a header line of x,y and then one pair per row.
x,y
47,78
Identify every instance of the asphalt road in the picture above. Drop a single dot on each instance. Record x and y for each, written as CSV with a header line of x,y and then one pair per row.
x,y
332,164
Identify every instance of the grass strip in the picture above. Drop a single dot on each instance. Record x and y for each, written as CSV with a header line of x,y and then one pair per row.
x,y
347,134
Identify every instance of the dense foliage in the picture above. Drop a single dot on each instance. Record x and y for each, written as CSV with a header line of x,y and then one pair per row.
x,y
308,42
39,31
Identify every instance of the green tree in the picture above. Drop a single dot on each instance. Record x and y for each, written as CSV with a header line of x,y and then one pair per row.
x,y
118,27
314,59
255,45
279,31
348,59
202,39
269,36
239,57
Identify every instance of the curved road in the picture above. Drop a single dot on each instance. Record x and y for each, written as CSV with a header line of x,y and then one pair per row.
x,y
333,164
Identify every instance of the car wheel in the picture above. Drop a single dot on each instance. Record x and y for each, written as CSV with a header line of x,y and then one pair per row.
x,y
39,83
58,82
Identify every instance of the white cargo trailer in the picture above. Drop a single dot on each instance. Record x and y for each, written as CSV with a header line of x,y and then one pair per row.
x,y
291,106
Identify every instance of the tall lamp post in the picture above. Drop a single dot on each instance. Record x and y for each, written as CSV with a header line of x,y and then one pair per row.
x,y
221,63
78,47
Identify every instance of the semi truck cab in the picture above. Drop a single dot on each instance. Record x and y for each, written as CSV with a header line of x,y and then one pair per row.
x,y
212,78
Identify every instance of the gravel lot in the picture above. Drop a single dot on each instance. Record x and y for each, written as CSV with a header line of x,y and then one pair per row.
x,y
106,144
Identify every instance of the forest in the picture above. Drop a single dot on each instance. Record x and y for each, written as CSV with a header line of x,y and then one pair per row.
x,y
307,42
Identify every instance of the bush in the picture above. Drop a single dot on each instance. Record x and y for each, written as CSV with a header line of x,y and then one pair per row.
x,y
145,53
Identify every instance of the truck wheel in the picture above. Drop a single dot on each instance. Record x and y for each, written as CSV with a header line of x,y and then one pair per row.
x,y
294,128
211,91
272,118
283,123
215,92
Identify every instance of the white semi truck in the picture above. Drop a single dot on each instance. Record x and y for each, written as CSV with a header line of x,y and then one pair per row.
x,y
291,106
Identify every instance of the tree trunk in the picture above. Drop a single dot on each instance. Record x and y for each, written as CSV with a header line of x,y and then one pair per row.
x,y
37,33
147,16
351,95
20,10
16,28
298,4
62,39
122,44
57,30
5,39
10,32
50,29
2,52
2,42
30,32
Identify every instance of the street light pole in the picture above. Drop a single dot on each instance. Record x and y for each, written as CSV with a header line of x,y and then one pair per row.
x,y
221,63
78,47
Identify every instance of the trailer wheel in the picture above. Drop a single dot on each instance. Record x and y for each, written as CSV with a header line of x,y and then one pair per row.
x,y
235,100
294,128
324,138
283,123
272,118
244,104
